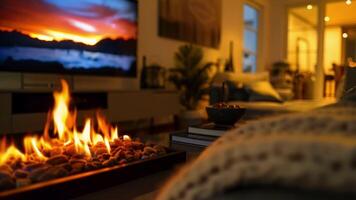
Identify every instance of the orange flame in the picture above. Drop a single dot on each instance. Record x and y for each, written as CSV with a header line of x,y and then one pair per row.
x,y
61,111
66,134
11,153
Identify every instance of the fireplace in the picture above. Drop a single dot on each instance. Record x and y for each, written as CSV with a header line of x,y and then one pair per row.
x,y
69,161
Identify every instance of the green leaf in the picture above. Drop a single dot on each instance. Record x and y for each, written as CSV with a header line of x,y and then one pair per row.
x,y
190,75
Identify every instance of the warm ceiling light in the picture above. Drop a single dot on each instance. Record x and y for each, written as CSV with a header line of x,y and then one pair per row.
x,y
309,7
348,2
345,35
326,18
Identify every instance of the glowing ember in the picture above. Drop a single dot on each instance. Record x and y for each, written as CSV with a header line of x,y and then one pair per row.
x,y
126,137
70,151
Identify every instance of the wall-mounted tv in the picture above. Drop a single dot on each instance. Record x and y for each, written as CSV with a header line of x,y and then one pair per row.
x,y
97,37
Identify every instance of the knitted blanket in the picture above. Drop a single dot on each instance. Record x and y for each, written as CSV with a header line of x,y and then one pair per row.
x,y
314,150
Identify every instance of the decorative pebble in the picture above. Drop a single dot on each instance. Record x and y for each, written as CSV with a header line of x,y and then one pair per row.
x,y
56,160
21,173
64,160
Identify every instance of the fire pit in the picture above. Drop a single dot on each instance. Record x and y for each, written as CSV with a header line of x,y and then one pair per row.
x,y
71,157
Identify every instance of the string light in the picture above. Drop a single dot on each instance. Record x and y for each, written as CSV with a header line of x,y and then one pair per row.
x,y
348,2
309,6
326,18
345,35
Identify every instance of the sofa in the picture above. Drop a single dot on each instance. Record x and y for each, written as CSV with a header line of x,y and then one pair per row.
x,y
254,92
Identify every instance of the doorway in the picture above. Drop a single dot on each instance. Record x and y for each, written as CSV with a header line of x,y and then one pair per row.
x,y
339,45
302,48
331,27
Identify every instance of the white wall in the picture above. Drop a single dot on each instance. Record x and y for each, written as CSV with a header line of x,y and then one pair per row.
x,y
303,35
278,35
161,50
278,9
332,47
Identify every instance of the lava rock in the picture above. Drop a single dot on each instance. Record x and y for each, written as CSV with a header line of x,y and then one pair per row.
x,y
21,173
33,166
118,142
129,157
5,174
144,157
64,160
106,156
16,164
89,166
56,160
110,162
70,150
73,161
7,183
123,161
99,151
52,173
137,155
160,149
20,182
119,155
37,173
137,145
96,164
78,166
66,166
149,151
99,145
56,151
78,156
6,168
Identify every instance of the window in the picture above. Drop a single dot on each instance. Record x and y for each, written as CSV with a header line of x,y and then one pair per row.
x,y
250,38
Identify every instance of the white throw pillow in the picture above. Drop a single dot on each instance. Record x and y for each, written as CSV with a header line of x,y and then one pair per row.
x,y
239,78
262,91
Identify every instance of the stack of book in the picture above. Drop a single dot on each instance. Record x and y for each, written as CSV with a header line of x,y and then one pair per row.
x,y
201,135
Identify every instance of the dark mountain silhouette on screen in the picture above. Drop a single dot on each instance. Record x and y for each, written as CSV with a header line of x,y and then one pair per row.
x,y
113,46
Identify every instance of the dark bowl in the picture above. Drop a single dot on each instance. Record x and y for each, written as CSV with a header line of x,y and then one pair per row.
x,y
224,116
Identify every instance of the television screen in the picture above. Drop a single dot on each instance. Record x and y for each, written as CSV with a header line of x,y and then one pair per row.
x,y
96,37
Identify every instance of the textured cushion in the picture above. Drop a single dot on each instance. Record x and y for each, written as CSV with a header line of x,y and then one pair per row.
x,y
263,91
286,94
242,78
350,95
310,151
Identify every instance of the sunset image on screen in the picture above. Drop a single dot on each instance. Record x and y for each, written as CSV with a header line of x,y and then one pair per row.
x,y
74,34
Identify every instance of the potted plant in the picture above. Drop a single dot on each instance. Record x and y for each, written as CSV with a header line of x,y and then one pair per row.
x,y
191,77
